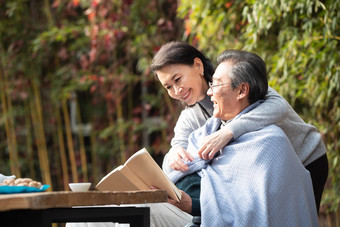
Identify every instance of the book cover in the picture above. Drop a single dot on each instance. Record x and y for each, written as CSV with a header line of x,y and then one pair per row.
x,y
139,172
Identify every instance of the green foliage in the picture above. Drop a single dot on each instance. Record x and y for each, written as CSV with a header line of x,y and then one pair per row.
x,y
101,51
98,50
299,41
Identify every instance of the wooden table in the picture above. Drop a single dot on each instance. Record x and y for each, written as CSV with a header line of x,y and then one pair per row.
x,y
45,208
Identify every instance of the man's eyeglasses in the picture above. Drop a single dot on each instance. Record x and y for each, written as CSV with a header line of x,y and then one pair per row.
x,y
211,85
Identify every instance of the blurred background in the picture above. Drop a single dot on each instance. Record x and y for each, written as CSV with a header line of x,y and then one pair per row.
x,y
78,99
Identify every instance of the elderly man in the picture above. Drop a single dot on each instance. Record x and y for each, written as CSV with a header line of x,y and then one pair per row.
x,y
257,180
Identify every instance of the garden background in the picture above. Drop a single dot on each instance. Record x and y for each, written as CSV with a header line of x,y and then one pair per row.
x,y
77,96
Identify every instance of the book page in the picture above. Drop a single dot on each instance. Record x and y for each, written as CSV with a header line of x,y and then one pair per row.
x,y
143,165
139,183
112,172
116,181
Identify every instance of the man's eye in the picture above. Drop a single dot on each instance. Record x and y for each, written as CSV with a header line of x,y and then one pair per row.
x,y
168,87
177,79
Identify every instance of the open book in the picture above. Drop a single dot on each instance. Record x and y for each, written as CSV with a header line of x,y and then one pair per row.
x,y
139,172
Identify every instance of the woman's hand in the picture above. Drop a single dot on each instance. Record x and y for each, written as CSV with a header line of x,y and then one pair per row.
x,y
185,204
212,143
176,156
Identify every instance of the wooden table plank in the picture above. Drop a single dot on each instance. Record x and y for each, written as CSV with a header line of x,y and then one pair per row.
x,y
44,200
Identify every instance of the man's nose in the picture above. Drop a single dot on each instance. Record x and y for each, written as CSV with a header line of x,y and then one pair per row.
x,y
210,92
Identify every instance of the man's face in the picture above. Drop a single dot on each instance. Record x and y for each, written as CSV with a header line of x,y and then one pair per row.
x,y
225,100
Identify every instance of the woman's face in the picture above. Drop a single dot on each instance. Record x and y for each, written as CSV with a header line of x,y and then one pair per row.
x,y
183,82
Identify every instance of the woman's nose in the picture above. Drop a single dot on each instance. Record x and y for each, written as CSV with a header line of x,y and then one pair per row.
x,y
178,90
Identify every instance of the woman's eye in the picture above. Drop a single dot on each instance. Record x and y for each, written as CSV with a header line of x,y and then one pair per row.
x,y
177,79
168,87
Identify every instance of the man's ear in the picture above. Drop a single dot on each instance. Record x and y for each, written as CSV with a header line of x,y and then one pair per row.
x,y
243,91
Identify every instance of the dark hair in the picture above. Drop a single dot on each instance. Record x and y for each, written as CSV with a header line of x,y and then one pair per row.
x,y
247,67
176,52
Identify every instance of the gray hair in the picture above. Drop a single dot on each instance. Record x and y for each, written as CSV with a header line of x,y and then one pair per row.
x,y
247,67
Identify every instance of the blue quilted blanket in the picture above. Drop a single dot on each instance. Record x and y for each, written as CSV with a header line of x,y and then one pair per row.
x,y
256,180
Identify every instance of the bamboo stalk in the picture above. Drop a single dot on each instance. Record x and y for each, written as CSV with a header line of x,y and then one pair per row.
x,y
48,13
164,141
55,160
329,220
130,116
13,137
94,158
110,163
41,135
169,104
36,133
62,151
5,113
10,130
29,142
69,142
81,144
121,130
46,173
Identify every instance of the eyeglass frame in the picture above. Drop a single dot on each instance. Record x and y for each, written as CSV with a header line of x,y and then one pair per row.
x,y
211,85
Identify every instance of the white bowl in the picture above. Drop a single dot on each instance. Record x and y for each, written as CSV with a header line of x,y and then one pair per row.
x,y
80,187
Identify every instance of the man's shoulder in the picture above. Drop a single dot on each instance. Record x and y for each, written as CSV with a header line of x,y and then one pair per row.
x,y
269,133
270,138
272,129
210,126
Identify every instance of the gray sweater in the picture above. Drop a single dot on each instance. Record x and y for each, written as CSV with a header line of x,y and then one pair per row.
x,y
305,138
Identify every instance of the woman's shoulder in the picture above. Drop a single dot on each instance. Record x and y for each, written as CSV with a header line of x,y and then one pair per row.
x,y
193,112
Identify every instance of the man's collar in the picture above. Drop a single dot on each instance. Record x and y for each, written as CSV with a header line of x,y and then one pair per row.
x,y
246,110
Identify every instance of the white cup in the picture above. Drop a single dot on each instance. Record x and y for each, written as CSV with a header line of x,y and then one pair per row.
x,y
80,187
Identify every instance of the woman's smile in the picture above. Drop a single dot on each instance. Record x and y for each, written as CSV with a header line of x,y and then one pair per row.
x,y
186,95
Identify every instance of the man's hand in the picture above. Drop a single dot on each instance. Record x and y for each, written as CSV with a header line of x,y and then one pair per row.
x,y
176,156
185,204
212,143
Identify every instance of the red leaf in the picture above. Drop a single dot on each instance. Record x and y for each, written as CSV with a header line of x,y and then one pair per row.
x,y
93,88
91,16
55,4
93,77
95,3
187,28
75,3
228,5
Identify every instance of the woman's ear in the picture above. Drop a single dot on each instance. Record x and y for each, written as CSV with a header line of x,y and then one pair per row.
x,y
243,90
199,65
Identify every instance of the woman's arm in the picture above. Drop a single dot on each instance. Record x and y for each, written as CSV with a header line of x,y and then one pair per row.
x,y
187,122
174,159
272,111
